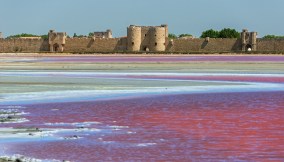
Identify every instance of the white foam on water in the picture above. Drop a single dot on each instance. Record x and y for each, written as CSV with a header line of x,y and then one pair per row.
x,y
25,134
91,95
27,159
72,124
8,112
146,144
11,107
15,121
11,133
118,127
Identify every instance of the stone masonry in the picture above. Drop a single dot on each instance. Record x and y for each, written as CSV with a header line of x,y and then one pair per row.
x,y
147,38
248,40
56,41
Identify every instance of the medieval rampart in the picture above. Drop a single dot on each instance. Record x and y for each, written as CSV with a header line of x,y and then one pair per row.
x,y
139,39
95,45
23,45
270,44
200,45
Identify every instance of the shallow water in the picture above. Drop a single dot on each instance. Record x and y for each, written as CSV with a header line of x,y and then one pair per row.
x,y
205,127
146,115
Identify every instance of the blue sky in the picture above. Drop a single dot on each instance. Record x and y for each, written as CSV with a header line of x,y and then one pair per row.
x,y
182,16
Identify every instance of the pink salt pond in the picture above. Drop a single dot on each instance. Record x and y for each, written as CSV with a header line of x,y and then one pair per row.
x,y
158,114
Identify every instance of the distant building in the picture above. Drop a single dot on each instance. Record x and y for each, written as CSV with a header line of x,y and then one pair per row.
x,y
1,35
106,34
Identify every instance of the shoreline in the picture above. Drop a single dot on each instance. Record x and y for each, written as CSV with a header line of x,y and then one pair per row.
x,y
137,55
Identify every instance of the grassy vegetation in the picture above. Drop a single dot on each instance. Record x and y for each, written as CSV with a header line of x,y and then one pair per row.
x,y
27,35
273,37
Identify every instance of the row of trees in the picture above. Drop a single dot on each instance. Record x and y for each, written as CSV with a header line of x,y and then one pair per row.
x,y
224,33
27,35
81,36
273,37
46,36
173,36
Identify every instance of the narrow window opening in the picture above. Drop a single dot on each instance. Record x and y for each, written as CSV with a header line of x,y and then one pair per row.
x,y
156,44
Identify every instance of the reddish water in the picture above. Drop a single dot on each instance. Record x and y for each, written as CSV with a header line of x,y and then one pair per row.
x,y
196,127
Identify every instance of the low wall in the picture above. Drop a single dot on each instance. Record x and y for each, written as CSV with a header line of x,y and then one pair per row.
x,y
23,45
200,45
120,45
270,44
97,45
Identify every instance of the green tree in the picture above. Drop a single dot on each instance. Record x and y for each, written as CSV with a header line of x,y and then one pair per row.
x,y
172,36
91,34
229,33
210,33
22,35
272,37
75,35
44,36
184,35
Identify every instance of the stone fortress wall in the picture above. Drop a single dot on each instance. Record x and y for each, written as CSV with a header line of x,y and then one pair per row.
x,y
139,39
23,45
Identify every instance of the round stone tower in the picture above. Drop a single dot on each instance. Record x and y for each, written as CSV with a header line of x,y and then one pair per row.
x,y
253,40
134,38
158,39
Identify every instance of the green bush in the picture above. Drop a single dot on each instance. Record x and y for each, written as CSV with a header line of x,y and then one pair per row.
x,y
91,34
44,36
27,35
224,33
22,35
184,35
229,33
172,36
272,37
210,33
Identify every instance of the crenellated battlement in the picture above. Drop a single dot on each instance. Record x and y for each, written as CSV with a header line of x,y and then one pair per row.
x,y
139,39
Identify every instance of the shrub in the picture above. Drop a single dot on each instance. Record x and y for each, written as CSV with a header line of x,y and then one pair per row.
x,y
172,36
272,37
210,33
229,33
